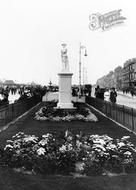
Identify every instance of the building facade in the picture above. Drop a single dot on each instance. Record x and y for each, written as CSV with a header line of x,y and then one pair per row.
x,y
121,78
129,75
118,77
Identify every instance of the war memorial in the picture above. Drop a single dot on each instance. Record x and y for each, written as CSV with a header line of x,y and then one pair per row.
x,y
58,143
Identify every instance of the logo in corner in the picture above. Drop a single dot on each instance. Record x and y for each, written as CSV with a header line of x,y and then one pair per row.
x,y
106,21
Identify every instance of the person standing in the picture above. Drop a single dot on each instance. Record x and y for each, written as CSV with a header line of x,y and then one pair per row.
x,y
113,95
97,92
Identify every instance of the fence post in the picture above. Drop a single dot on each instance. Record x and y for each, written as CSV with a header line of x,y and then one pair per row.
x,y
132,111
105,108
12,110
123,116
116,112
110,110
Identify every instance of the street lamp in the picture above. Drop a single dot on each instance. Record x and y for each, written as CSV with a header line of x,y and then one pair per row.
x,y
85,54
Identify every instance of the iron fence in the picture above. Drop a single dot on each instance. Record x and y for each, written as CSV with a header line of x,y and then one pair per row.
x,y
120,113
10,112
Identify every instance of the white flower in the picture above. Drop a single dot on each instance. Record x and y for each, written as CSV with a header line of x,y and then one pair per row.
x,y
57,118
99,141
69,147
69,138
78,143
18,135
120,144
41,151
9,141
125,138
16,145
128,160
94,136
107,138
41,118
62,148
43,142
66,133
98,147
111,146
80,117
31,138
46,135
80,166
115,156
8,146
127,153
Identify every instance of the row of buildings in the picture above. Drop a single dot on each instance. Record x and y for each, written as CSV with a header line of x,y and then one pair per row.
x,y
122,78
11,83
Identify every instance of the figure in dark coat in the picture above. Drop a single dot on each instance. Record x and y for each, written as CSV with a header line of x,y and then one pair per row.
x,y
113,95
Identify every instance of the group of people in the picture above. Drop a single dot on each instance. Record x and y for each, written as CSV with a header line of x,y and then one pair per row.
x,y
23,91
129,91
99,93
85,90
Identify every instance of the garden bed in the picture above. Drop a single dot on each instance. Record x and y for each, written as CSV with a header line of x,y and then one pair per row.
x,y
10,179
69,154
50,113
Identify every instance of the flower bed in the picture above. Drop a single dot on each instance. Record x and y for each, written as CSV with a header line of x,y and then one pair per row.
x,y
68,153
48,113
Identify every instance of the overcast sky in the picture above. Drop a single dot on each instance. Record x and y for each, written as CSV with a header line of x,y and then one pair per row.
x,y
32,31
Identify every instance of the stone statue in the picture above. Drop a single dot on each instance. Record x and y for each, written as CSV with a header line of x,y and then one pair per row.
x,y
64,57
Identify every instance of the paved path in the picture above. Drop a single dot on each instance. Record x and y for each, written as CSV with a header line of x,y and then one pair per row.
x,y
126,100
122,99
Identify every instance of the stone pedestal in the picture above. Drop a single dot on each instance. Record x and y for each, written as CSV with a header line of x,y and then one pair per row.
x,y
65,91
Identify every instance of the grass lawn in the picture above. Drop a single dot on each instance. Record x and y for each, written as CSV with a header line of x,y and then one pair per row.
x,y
9,179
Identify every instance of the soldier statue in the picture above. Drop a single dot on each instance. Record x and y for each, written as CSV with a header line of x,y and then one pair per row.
x,y
64,57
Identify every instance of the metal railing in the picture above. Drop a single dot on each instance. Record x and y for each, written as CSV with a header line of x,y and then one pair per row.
x,y
10,112
120,113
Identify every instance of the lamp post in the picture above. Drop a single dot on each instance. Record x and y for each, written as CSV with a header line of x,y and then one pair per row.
x,y
85,54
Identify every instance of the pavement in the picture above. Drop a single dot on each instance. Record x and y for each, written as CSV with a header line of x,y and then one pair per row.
x,y
125,94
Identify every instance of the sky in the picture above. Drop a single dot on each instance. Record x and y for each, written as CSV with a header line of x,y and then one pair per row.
x,y
32,31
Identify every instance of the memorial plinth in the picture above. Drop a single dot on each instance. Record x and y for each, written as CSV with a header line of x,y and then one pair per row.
x,y
65,78
65,96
